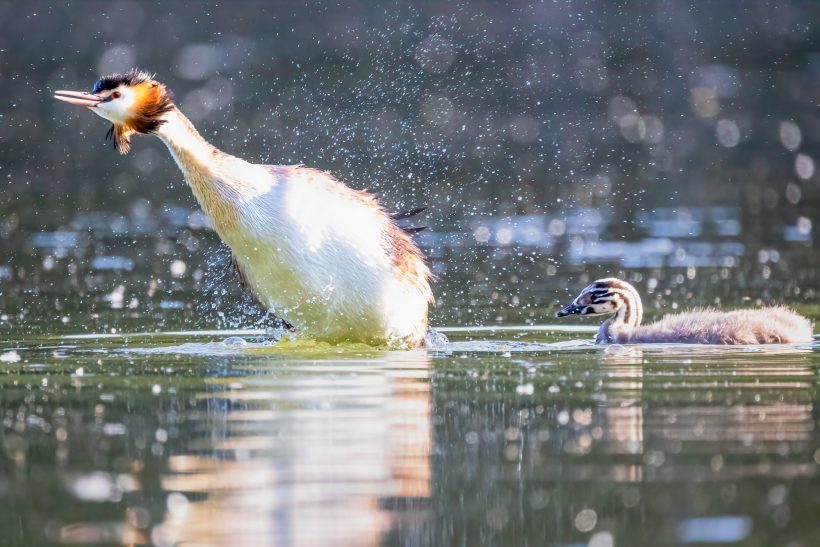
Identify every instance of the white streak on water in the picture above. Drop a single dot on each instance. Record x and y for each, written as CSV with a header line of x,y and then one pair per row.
x,y
521,328
261,332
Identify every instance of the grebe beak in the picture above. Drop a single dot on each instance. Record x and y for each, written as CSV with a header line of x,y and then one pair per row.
x,y
572,309
80,98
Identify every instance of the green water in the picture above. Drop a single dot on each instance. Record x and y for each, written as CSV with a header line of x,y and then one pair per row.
x,y
506,437
134,412
674,144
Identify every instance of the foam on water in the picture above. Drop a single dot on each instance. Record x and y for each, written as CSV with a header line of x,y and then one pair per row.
x,y
261,341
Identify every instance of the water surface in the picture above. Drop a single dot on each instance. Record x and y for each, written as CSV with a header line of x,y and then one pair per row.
x,y
143,400
518,437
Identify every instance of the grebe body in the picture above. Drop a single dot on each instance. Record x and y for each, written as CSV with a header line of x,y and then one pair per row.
x,y
327,259
774,325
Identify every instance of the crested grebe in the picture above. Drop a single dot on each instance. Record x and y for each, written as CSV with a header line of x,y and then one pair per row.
x,y
324,257
775,325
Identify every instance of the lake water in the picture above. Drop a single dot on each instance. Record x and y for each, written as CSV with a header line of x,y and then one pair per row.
x,y
133,410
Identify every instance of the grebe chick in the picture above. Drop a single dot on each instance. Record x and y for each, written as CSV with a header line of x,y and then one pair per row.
x,y
775,325
325,258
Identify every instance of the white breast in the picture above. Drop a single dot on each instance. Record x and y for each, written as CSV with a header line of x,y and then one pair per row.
x,y
322,256
317,256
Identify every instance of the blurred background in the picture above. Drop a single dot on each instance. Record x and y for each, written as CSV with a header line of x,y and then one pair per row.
x,y
673,143
552,141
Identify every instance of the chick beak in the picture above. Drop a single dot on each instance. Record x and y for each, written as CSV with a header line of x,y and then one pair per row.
x,y
568,310
80,98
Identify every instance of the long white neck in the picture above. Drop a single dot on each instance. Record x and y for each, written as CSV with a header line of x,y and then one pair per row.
x,y
219,181
184,141
627,318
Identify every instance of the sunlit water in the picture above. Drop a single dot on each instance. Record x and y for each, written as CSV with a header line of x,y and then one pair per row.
x,y
519,437
144,400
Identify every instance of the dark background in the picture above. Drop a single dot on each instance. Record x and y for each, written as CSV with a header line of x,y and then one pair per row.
x,y
672,143
471,107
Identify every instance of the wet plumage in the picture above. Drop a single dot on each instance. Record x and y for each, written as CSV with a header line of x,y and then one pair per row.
x,y
327,259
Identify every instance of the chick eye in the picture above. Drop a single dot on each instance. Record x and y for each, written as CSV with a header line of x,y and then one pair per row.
x,y
116,94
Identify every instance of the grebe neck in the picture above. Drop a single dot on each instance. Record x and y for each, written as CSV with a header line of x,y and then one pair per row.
x,y
619,328
214,176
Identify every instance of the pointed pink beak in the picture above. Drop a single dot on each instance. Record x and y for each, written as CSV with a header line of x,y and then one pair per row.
x,y
80,98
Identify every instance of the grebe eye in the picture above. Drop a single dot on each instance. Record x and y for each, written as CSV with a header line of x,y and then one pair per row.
x,y
116,94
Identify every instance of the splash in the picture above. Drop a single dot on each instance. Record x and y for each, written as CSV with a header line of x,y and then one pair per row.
x,y
224,302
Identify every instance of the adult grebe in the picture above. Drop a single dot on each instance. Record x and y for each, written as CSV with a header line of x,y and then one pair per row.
x,y
777,325
325,258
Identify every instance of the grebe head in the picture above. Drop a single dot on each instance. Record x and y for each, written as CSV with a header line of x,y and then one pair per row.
x,y
133,102
598,298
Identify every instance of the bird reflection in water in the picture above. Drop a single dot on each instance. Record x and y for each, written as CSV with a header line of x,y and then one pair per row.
x,y
295,461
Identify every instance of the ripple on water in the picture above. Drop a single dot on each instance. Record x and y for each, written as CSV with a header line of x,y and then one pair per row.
x,y
315,431
465,340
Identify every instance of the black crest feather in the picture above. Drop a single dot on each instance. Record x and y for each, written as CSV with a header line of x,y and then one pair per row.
x,y
132,77
147,116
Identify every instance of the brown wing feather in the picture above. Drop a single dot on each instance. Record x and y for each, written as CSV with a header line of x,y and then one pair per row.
x,y
407,214
407,257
